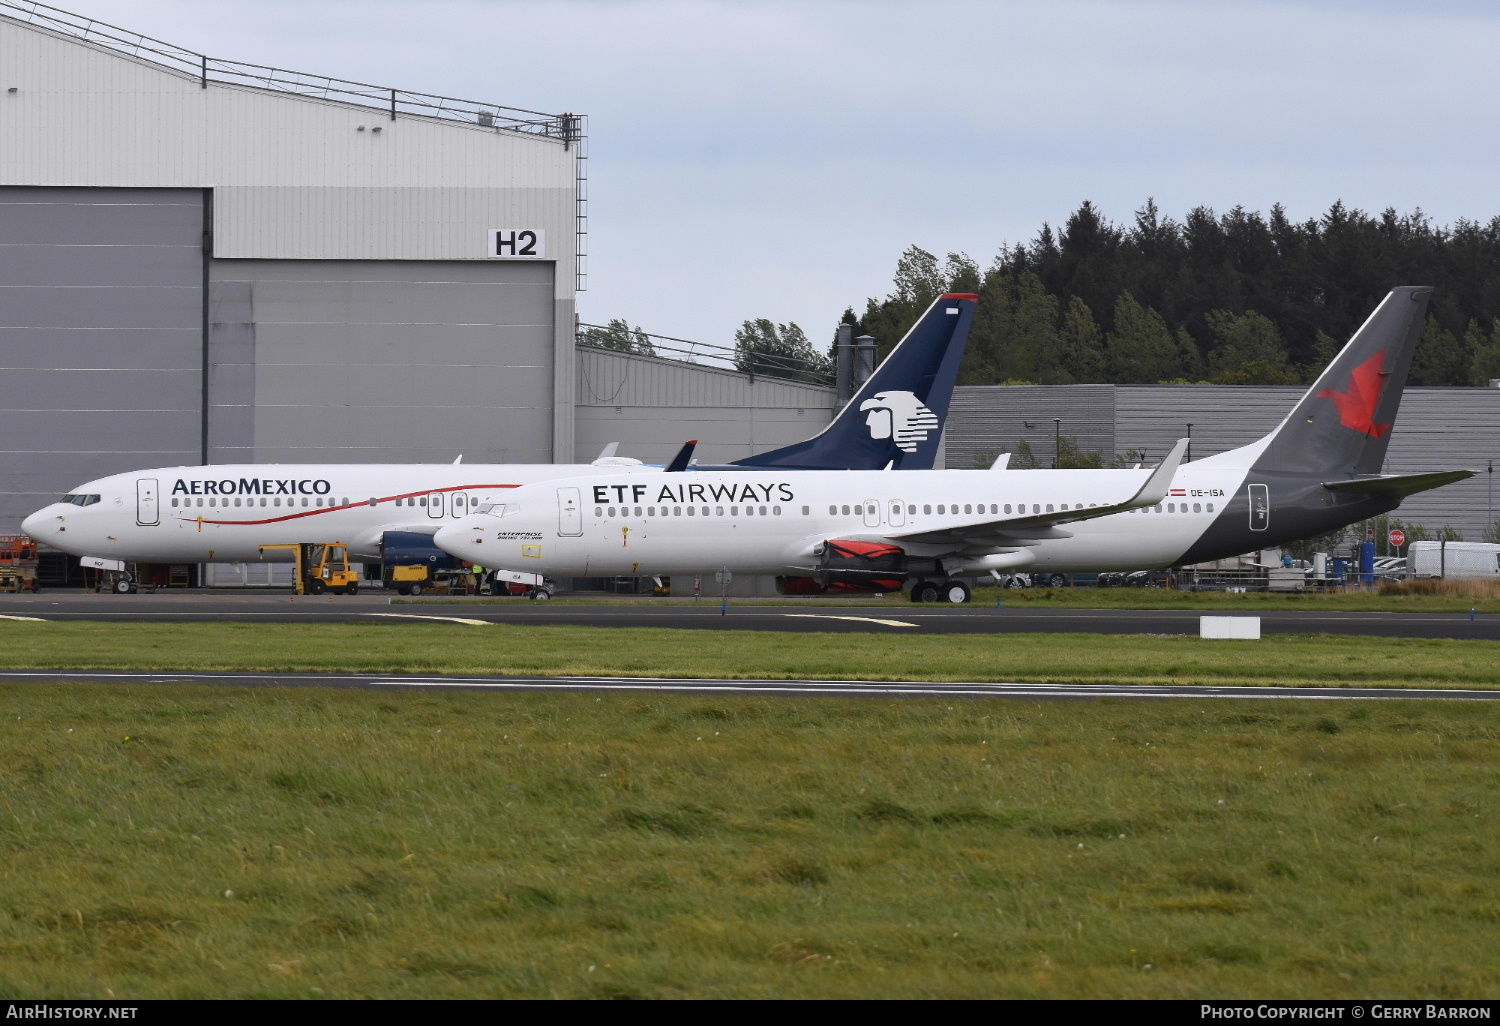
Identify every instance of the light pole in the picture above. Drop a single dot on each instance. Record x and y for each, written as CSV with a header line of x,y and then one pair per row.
x,y
1188,457
1056,441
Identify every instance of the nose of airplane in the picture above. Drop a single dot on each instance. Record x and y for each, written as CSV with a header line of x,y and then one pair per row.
x,y
450,537
34,523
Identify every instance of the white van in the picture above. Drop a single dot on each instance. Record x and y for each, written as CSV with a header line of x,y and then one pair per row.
x,y
1453,559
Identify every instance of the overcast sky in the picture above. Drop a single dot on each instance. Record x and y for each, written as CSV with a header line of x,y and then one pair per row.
x,y
753,159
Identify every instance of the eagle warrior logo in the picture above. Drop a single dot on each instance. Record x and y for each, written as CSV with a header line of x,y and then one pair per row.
x,y
901,417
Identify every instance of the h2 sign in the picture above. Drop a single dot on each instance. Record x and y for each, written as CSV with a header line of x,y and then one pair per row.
x,y
517,244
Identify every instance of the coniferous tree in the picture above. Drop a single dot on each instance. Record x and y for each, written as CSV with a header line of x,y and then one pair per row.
x,y
1140,349
1486,364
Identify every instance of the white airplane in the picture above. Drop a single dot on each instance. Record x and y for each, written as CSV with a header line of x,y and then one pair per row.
x,y
1318,471
226,513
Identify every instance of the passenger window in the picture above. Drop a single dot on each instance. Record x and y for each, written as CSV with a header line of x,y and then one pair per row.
x,y
776,510
1210,507
763,510
304,502
749,511
692,510
1158,507
174,503
926,508
677,511
1171,507
1035,508
734,511
911,511
807,511
236,502
846,511
650,511
611,511
422,501
210,502
968,508
718,511
1049,507
1197,507
832,510
598,511
638,511
941,508
1007,507
200,503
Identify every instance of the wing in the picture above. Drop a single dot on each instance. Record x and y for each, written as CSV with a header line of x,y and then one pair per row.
x,y
1023,530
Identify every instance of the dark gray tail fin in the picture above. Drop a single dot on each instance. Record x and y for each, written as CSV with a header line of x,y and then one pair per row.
x,y
1342,426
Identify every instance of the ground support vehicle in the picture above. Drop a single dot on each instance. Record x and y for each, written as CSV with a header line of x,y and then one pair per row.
x,y
512,582
1457,560
18,563
321,567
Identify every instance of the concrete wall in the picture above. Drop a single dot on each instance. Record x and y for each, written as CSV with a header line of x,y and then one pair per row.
x,y
101,337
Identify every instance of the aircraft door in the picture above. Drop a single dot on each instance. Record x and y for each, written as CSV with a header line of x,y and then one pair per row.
x,y
434,504
872,513
569,513
1260,507
897,513
147,512
460,504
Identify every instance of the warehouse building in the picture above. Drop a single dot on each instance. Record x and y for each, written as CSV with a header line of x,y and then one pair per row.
x,y
1438,429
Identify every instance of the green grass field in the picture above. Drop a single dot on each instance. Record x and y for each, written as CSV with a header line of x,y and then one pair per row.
x,y
1293,660
219,842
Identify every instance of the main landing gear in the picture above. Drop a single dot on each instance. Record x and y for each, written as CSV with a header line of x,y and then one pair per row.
x,y
946,591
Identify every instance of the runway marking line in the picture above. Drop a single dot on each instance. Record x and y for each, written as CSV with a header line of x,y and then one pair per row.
x,y
34,619
860,619
423,616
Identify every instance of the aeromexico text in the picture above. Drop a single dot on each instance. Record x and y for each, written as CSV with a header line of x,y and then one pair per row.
x,y
694,493
252,486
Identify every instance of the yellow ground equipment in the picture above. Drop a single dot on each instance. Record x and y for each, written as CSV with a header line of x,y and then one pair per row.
x,y
321,566
18,563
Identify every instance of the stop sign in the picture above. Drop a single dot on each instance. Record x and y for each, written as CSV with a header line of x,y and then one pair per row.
x,y
1398,538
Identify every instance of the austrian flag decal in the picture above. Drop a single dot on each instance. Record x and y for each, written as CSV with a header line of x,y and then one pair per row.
x,y
1357,406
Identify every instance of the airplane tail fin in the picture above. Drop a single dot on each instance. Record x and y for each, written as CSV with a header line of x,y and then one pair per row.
x,y
897,416
1342,426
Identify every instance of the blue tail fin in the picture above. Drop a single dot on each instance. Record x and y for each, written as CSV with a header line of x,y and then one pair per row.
x,y
896,418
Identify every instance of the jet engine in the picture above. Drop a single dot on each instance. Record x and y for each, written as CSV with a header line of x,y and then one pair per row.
x,y
862,566
408,547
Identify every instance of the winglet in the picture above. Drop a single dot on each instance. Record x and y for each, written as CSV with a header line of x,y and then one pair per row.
x,y
680,461
1160,482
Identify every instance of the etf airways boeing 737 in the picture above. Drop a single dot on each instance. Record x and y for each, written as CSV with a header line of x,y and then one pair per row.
x,y
226,513
1318,471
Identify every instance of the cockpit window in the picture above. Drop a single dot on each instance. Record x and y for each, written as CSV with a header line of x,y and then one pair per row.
x,y
500,509
80,500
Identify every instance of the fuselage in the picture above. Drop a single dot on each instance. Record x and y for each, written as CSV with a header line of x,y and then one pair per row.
x,y
778,523
225,513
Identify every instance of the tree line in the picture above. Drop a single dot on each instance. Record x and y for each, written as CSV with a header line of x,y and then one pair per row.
x,y
1233,298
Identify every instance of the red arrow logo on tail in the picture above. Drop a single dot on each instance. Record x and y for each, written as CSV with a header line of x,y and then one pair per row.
x,y
1357,406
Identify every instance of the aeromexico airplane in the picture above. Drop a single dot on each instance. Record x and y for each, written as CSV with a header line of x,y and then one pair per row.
x,y
1318,471
225,513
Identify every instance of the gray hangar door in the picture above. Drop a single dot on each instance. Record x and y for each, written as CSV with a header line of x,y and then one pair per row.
x,y
355,361
101,337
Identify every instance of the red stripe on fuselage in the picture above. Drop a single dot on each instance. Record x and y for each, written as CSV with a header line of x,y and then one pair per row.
x,y
335,509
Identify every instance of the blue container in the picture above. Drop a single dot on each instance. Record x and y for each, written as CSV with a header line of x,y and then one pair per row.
x,y
1367,562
